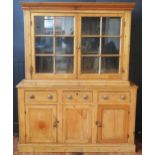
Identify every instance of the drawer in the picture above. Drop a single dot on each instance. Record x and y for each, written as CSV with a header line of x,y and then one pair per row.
x,y
40,96
77,97
114,97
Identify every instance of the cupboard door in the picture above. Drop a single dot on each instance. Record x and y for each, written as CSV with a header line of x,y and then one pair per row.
x,y
112,124
101,46
53,42
77,125
40,123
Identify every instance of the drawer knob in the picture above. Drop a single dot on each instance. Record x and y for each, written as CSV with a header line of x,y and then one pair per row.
x,y
32,96
50,97
123,97
98,124
85,97
70,97
105,97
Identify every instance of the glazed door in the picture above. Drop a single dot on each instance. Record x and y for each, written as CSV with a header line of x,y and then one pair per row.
x,y
100,42
77,125
112,124
41,124
53,46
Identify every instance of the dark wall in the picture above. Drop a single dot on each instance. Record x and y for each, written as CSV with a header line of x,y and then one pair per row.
x,y
135,57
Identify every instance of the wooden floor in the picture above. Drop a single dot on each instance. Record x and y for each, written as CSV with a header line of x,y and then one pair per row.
x,y
15,141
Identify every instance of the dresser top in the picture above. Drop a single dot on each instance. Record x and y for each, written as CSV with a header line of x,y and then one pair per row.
x,y
72,83
79,5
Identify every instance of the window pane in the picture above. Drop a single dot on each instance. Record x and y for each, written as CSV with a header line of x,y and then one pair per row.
x,y
44,45
91,25
90,45
44,25
64,64
64,45
111,25
110,45
64,25
90,65
44,64
110,65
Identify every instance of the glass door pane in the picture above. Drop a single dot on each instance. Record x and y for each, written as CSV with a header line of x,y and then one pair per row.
x,y
90,65
109,65
64,45
64,64
54,44
90,45
44,25
64,25
44,64
91,26
111,25
44,45
110,45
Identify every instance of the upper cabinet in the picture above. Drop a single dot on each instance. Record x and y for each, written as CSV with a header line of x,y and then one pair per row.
x,y
73,42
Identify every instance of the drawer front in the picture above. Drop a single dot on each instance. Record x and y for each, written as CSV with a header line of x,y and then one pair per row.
x,y
85,97
77,97
114,97
40,96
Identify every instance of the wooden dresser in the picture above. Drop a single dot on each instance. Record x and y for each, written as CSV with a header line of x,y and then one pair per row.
x,y
76,96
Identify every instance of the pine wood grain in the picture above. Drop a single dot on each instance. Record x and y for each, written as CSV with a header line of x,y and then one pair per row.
x,y
15,152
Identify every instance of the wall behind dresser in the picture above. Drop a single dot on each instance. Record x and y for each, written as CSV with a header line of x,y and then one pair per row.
x,y
135,59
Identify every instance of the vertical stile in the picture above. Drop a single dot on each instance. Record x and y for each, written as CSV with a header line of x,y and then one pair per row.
x,y
100,48
54,45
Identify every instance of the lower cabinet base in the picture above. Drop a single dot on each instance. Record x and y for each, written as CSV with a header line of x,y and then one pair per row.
x,y
76,148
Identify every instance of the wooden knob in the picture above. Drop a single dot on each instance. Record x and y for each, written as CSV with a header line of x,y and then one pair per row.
x,y
85,97
123,97
70,97
50,97
105,97
32,96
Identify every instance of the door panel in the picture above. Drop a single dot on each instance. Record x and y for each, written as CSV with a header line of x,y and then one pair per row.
x,y
40,123
112,124
77,124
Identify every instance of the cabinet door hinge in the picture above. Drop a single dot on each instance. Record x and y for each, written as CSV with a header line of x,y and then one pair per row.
x,y
31,70
31,23
128,136
25,111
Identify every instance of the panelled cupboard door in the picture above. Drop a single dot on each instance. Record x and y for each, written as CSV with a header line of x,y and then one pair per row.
x,y
77,124
40,124
112,124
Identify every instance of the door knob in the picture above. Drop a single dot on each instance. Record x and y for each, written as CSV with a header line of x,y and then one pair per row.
x,y
98,124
